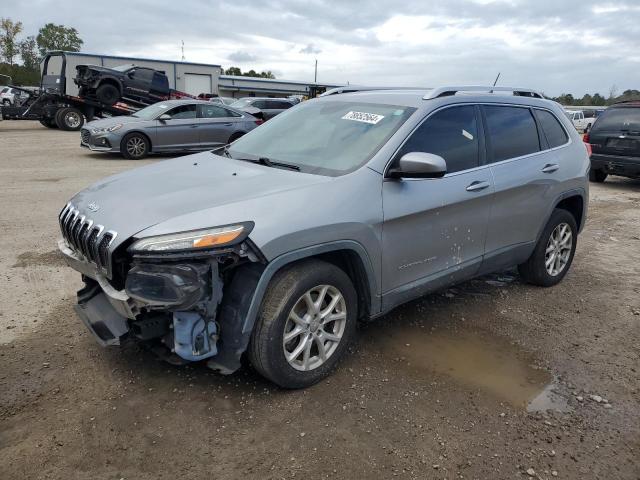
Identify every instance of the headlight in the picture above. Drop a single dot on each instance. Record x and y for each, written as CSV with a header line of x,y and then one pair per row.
x,y
194,240
112,128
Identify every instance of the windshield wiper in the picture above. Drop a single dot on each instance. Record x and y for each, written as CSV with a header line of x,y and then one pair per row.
x,y
260,161
270,163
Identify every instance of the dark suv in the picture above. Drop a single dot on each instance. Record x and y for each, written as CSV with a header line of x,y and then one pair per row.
x,y
615,142
109,85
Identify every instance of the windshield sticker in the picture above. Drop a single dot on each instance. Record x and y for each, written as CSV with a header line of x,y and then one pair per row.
x,y
467,134
364,117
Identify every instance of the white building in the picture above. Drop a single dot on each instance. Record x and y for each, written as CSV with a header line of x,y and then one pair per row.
x,y
189,77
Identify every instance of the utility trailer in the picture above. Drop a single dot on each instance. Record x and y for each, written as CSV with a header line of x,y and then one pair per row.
x,y
54,108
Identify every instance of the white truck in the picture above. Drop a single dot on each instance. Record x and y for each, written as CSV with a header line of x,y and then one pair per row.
x,y
581,120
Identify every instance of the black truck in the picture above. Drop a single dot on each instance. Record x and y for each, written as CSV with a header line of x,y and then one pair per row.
x,y
110,85
100,95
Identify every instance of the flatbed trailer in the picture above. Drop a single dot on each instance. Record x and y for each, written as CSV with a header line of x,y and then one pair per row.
x,y
53,108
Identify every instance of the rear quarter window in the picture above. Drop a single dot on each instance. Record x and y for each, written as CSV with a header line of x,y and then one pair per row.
x,y
551,128
512,132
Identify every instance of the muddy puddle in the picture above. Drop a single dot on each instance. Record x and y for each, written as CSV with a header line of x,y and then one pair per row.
x,y
475,360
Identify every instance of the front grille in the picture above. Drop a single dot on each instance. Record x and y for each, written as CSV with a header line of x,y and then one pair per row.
x,y
85,136
86,238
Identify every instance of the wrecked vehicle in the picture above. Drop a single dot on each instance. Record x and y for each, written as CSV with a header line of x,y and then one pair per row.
x,y
336,211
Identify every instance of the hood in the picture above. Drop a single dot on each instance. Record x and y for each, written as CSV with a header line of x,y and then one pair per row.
x,y
135,200
107,122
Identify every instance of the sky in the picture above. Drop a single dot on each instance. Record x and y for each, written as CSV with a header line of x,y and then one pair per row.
x,y
555,46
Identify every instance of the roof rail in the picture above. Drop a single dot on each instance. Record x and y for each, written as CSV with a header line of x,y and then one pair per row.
x,y
362,88
447,91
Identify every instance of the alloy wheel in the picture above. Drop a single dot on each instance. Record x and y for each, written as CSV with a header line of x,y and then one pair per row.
x,y
136,146
314,327
558,249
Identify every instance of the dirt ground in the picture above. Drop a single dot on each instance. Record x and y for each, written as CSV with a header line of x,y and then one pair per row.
x,y
455,385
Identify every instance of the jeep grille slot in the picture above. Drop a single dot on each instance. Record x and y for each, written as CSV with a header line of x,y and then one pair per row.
x,y
86,238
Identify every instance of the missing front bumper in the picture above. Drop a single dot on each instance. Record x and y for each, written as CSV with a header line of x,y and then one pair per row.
x,y
99,316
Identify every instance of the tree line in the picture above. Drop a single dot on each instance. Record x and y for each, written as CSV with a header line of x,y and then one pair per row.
x,y
30,49
598,100
251,73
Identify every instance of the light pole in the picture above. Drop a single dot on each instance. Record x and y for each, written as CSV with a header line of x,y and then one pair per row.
x,y
315,76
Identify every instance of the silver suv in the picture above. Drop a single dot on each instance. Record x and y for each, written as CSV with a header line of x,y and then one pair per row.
x,y
336,211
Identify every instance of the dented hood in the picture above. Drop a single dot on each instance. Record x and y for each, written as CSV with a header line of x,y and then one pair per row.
x,y
130,202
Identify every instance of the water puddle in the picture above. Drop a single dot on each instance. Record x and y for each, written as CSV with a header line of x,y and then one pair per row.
x,y
490,364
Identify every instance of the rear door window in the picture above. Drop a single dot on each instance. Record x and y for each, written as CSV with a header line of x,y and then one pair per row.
x,y
212,111
551,128
512,132
451,133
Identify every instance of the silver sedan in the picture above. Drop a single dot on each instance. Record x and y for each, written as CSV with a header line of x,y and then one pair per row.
x,y
170,126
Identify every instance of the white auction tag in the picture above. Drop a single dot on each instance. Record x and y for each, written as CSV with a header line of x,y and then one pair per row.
x,y
364,117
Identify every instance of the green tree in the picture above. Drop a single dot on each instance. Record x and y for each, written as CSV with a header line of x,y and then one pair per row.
x,y
8,33
58,37
251,73
29,53
598,100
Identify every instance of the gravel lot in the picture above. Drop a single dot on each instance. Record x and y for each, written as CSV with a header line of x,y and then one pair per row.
x,y
450,386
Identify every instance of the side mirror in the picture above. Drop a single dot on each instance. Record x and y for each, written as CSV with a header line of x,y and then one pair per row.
x,y
419,165
164,117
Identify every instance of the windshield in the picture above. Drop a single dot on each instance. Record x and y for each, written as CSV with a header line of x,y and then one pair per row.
x,y
152,111
322,137
243,102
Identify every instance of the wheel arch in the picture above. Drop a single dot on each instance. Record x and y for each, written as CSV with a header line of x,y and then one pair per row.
x,y
348,255
111,81
575,202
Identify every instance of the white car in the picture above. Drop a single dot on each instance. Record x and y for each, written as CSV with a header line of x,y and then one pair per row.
x,y
581,121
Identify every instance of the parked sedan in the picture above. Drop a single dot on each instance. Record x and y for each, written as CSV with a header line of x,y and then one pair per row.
x,y
268,107
169,126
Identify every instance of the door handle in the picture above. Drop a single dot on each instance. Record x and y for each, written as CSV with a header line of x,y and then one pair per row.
x,y
227,124
550,168
477,186
193,126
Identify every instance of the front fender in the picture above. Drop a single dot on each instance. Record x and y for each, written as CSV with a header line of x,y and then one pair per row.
x,y
279,262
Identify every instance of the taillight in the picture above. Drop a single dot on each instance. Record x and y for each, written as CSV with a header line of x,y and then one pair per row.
x,y
587,145
259,121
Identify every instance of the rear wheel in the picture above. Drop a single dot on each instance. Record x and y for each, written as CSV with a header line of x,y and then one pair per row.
x,y
135,146
597,176
553,255
70,119
108,94
306,322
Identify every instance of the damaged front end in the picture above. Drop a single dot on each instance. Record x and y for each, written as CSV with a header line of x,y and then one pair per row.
x,y
185,305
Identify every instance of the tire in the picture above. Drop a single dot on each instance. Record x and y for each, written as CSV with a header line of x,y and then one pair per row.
x,y
535,270
235,137
284,297
70,119
108,94
597,176
48,122
135,146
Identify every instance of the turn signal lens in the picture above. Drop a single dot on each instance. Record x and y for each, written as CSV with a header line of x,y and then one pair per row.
x,y
194,240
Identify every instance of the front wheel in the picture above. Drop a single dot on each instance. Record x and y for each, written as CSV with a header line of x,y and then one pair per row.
x,y
135,146
306,322
553,255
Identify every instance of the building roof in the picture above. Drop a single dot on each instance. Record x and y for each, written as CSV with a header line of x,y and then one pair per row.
x,y
275,80
121,57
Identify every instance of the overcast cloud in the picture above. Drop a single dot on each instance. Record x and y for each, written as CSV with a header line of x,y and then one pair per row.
x,y
573,46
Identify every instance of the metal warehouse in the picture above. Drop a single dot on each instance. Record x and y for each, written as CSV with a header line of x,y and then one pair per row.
x,y
189,77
